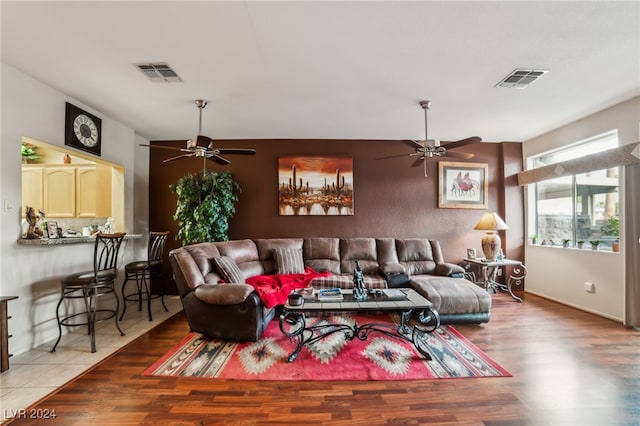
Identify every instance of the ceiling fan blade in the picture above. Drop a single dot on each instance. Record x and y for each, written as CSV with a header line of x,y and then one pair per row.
x,y
241,151
177,157
396,156
463,142
218,159
418,161
164,147
414,143
461,155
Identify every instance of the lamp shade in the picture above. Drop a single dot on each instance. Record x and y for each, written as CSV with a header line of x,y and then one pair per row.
x,y
491,242
490,221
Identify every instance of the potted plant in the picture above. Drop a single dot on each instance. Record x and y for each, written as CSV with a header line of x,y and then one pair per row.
x,y
534,238
565,242
612,228
580,243
206,202
594,244
29,152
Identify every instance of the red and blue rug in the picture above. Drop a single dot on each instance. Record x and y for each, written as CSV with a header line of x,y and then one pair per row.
x,y
380,357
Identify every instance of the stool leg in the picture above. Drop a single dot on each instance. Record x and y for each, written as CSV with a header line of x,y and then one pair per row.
x,y
139,283
147,291
115,316
90,301
59,324
124,297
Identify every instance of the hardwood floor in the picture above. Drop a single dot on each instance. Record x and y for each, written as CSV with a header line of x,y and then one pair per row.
x,y
569,368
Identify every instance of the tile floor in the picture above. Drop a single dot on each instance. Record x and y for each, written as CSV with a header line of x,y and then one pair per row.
x,y
34,374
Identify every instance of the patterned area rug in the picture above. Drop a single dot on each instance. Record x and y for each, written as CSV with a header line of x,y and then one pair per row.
x,y
380,357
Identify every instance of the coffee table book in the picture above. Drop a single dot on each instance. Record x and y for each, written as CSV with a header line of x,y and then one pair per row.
x,y
330,294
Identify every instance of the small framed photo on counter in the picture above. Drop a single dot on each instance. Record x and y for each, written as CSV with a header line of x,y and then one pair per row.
x,y
52,229
471,253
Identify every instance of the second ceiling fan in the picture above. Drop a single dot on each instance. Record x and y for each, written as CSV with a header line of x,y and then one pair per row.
x,y
428,148
202,146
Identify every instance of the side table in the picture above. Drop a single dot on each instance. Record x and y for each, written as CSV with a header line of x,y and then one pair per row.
x,y
4,332
490,272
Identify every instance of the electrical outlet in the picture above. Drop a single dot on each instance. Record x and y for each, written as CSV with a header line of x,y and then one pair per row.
x,y
589,287
499,272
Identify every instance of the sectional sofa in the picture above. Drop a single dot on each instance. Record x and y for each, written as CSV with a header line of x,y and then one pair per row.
x,y
211,278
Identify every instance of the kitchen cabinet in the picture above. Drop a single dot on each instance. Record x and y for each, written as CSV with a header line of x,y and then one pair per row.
x,y
67,191
59,189
32,188
86,191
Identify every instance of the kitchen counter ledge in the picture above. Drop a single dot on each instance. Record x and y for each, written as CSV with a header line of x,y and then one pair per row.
x,y
67,240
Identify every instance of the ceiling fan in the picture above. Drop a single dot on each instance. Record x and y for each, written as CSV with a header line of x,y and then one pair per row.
x,y
431,147
202,146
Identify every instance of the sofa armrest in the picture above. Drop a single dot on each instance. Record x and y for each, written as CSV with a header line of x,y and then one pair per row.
x,y
223,294
449,269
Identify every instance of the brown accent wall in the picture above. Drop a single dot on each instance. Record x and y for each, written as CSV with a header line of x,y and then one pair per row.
x,y
391,198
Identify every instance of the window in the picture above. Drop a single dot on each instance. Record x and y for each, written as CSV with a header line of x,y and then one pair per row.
x,y
583,207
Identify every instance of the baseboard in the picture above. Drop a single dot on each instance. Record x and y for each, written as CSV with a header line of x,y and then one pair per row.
x,y
578,307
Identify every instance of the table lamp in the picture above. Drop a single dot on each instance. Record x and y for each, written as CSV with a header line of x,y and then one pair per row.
x,y
491,242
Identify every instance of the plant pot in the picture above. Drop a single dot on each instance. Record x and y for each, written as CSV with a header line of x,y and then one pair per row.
x,y
580,245
594,247
615,247
565,245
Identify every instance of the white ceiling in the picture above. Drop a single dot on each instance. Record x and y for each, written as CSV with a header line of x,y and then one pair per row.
x,y
332,70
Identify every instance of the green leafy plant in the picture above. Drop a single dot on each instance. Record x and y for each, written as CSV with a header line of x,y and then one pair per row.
x,y
612,227
595,243
206,202
29,151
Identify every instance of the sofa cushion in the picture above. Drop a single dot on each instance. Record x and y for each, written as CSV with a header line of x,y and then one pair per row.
x,y
361,249
387,253
288,260
452,295
202,254
266,246
322,254
228,269
244,253
416,255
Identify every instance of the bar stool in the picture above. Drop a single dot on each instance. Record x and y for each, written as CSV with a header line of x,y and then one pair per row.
x,y
143,272
90,285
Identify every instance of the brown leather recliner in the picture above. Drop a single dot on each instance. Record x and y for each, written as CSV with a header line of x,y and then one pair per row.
x,y
231,311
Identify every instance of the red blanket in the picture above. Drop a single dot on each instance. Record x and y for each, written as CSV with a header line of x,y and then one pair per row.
x,y
274,289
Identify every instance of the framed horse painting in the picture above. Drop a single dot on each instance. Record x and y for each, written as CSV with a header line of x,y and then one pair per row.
x,y
463,185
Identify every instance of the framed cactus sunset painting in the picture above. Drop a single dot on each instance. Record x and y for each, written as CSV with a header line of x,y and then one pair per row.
x,y
315,186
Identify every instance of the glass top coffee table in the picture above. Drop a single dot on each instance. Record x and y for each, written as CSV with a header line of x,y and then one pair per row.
x,y
404,301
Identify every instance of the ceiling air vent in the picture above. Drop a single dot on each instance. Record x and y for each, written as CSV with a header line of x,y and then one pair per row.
x,y
159,72
521,78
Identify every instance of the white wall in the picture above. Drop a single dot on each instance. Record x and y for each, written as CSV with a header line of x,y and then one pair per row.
x,y
560,274
31,108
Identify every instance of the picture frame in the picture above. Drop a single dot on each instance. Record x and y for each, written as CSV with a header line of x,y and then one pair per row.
x,y
52,230
471,253
463,185
320,185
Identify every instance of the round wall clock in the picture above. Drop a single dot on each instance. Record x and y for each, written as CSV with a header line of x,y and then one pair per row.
x,y
82,130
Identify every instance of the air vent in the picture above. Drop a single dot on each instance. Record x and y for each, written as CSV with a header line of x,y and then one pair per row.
x,y
521,78
159,72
